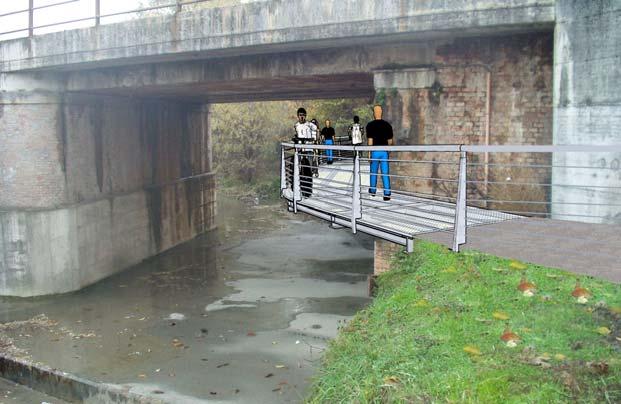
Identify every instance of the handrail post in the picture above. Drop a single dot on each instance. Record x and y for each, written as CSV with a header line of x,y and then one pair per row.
x,y
296,180
97,12
283,170
356,212
30,18
459,231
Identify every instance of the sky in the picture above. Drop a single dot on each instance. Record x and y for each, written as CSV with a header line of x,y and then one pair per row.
x,y
74,10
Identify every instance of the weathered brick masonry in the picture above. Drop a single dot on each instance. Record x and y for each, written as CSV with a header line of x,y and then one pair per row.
x,y
453,110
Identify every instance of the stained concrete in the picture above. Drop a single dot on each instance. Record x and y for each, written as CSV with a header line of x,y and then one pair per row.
x,y
270,26
587,106
16,393
241,315
93,184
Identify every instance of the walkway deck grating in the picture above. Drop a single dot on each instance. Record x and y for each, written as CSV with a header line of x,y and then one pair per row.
x,y
402,218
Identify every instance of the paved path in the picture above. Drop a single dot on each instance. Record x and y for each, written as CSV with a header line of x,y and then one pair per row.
x,y
583,248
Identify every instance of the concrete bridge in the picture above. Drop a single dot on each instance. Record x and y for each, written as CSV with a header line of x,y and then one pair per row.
x,y
105,143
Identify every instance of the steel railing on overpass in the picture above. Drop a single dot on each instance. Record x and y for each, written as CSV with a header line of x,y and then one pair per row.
x,y
451,188
93,12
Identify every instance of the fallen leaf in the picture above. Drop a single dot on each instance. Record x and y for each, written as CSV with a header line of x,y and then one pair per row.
x,y
580,292
280,366
510,338
600,368
269,375
472,350
251,334
526,285
517,265
450,270
615,309
222,365
603,330
421,303
142,376
560,357
391,380
276,389
500,315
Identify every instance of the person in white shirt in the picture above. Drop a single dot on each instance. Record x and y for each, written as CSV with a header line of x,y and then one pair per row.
x,y
304,134
356,132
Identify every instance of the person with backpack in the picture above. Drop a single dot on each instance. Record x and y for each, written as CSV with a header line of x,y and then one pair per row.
x,y
356,132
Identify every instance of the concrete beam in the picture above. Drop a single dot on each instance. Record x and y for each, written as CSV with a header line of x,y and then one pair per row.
x,y
271,26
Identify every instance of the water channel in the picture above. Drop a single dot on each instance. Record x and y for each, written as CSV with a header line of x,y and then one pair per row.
x,y
241,314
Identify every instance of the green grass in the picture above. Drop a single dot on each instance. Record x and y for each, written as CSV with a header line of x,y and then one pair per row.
x,y
408,346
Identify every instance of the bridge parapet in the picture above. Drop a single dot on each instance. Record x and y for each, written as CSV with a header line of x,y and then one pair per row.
x,y
270,26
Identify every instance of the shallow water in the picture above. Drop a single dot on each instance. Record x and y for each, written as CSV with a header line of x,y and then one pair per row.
x,y
252,306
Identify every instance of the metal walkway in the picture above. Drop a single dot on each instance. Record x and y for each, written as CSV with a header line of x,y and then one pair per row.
x,y
399,220
435,189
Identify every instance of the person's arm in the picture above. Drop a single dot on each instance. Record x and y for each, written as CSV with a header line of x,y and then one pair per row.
x,y
390,136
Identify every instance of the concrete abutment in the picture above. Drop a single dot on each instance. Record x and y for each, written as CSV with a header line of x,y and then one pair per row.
x,y
95,184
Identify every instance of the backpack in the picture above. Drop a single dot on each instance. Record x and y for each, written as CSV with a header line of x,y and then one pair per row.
x,y
356,134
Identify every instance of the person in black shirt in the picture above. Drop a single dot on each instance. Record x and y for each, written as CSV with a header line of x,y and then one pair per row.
x,y
379,133
327,134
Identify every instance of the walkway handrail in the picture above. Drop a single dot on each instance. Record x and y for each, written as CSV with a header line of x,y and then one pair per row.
x,y
467,148
177,5
438,187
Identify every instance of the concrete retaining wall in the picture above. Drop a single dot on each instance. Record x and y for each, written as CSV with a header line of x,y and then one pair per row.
x,y
587,106
128,181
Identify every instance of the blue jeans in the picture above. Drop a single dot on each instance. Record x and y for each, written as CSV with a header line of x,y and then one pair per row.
x,y
329,151
379,159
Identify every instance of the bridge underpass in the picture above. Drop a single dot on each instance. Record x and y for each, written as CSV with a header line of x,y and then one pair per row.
x,y
84,163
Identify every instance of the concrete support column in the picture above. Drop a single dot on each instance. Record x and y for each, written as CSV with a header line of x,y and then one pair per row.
x,y
587,107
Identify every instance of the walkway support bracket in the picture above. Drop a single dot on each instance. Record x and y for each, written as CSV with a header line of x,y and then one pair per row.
x,y
283,170
356,211
297,195
459,231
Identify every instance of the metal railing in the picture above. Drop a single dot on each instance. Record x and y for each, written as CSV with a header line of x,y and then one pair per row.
x,y
94,10
449,188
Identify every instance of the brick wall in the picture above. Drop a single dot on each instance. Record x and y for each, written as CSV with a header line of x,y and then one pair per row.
x,y
520,69
30,153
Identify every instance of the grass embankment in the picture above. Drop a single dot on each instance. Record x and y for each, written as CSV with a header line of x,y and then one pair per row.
x,y
434,332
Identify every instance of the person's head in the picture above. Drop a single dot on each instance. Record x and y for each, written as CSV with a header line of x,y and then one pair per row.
x,y
314,121
377,111
356,119
301,115
327,123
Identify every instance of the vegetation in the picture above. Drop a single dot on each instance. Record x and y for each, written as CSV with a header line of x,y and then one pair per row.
x,y
247,136
434,334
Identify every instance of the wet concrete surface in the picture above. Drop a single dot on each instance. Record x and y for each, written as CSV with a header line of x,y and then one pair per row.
x,y
16,393
239,315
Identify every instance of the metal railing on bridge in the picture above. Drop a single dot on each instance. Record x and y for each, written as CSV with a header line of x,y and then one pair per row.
x,y
27,18
450,188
